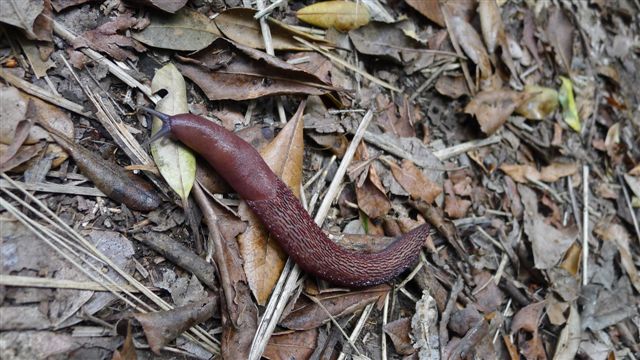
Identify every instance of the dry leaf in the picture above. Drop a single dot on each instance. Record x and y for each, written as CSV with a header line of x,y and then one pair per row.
x,y
549,244
108,38
291,345
399,331
617,234
239,25
162,327
263,258
342,15
415,182
493,108
187,30
226,70
542,102
472,45
308,314
560,35
430,9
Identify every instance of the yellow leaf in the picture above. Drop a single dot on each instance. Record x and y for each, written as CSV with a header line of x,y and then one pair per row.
x,y
568,103
342,15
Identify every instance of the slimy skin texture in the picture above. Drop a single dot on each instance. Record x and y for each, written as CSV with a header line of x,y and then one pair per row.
x,y
282,213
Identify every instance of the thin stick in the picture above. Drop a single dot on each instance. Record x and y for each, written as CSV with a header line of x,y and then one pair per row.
x,y
30,281
288,280
358,329
385,320
585,224
268,47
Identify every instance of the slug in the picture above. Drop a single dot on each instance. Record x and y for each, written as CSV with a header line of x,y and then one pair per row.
x,y
282,213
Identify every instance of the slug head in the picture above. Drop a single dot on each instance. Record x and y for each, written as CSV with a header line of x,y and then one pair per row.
x,y
165,130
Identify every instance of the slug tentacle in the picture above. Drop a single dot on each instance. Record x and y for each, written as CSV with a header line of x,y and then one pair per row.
x,y
165,130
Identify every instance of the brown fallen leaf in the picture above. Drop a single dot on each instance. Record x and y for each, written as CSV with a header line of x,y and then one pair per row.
x,y
492,108
548,243
128,350
397,120
108,38
454,206
494,34
415,182
291,345
617,234
15,103
552,172
398,331
24,15
489,296
239,25
162,327
527,320
111,179
226,70
471,43
334,142
429,9
307,314
555,171
560,34
540,105
452,86
386,41
263,258
371,196
341,15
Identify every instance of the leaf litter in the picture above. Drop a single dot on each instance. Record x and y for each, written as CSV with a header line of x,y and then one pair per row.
x,y
498,110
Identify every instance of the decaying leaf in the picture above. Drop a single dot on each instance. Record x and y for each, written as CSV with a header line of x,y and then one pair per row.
x,y
128,349
162,327
291,345
108,38
186,30
430,9
617,234
111,179
548,243
308,314
399,331
527,320
568,103
263,257
492,108
15,104
226,70
342,15
22,14
371,195
542,102
176,162
239,25
472,45
415,182
560,35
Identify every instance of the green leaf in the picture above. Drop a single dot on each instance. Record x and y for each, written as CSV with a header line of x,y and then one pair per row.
x,y
176,162
568,103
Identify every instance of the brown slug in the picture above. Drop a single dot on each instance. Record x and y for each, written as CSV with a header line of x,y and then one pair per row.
x,y
282,213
